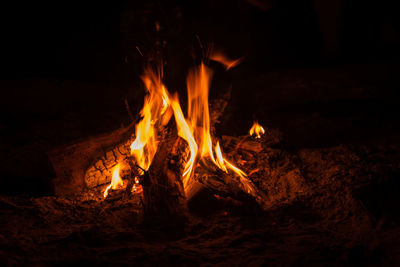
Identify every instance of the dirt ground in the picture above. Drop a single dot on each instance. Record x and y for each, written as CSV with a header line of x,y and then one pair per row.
x,y
331,181
333,206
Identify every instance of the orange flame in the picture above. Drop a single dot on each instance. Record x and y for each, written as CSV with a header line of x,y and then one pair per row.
x,y
257,130
185,132
198,83
116,181
220,158
144,147
228,63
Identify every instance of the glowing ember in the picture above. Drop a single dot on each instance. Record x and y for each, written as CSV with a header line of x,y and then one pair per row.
x,y
137,188
256,130
116,181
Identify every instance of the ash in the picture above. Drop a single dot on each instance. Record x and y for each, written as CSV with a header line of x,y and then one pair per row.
x,y
327,206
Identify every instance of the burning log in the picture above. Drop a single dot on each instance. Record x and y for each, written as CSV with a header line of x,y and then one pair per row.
x,y
71,161
242,143
228,185
100,172
269,138
163,192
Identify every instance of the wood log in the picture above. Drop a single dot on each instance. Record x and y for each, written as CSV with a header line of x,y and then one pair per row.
x,y
229,184
71,161
100,171
242,143
163,194
270,138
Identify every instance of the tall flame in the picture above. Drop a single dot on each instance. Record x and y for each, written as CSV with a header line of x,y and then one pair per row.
x,y
155,105
256,130
116,181
198,85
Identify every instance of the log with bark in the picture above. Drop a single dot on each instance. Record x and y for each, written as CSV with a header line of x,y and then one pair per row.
x,y
163,193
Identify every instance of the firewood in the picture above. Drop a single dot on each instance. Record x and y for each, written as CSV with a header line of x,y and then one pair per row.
x,y
71,161
114,195
101,170
163,193
230,185
243,143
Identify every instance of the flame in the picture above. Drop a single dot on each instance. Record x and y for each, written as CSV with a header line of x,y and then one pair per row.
x,y
225,164
220,158
257,130
157,110
198,85
228,63
185,132
156,102
116,181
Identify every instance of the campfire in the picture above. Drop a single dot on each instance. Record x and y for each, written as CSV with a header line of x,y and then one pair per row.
x,y
172,156
159,106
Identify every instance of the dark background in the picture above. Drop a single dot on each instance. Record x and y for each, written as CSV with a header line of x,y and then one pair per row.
x,y
322,72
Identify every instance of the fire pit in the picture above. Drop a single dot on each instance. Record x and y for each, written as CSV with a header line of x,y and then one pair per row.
x,y
170,158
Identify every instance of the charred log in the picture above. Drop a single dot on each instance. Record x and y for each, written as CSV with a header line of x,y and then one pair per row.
x,y
71,161
229,185
101,171
163,193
